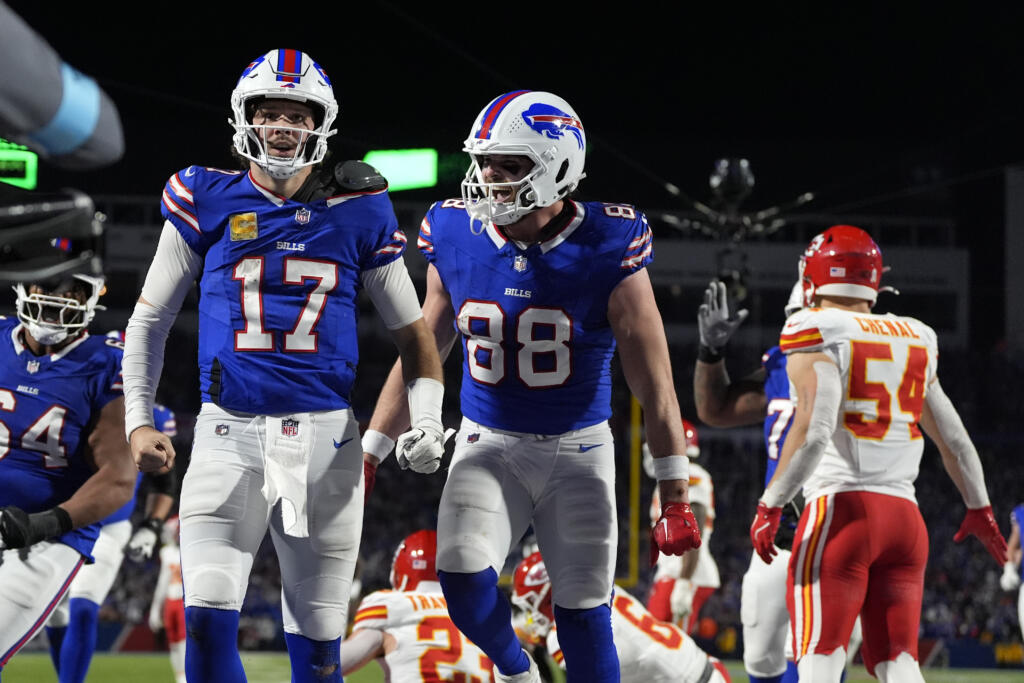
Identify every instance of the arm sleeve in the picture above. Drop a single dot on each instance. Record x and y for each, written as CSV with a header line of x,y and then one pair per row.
x,y
175,267
393,295
824,416
952,430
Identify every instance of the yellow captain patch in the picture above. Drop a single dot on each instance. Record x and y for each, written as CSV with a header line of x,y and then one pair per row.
x,y
244,227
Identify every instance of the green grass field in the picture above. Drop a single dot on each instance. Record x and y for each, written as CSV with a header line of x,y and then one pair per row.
x,y
273,668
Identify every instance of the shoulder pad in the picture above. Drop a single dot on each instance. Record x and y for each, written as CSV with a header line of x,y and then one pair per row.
x,y
358,176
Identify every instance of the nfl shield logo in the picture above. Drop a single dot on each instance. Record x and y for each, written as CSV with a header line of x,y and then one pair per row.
x,y
473,438
290,427
32,366
221,430
302,216
519,264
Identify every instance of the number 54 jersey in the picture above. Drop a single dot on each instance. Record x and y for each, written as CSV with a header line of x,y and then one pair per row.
x,y
277,311
886,363
429,649
533,319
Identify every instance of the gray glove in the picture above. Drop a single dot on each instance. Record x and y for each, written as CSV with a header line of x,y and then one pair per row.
x,y
714,321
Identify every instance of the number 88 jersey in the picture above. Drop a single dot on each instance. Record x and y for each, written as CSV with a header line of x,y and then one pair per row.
x,y
533,319
886,363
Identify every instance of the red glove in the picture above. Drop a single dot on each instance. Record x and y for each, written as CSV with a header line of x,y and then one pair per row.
x,y
762,531
982,524
369,476
676,531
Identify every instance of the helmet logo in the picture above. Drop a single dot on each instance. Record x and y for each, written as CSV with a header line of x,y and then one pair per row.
x,y
552,122
537,577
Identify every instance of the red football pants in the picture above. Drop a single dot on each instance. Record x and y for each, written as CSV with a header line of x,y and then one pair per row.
x,y
660,602
174,620
857,552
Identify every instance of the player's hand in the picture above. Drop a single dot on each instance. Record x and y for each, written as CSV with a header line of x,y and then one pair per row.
x,y
681,601
676,531
763,529
981,523
155,622
1010,580
152,450
715,322
19,529
369,477
420,449
144,540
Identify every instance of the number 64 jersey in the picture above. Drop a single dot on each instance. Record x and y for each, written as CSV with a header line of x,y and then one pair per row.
x,y
533,319
886,363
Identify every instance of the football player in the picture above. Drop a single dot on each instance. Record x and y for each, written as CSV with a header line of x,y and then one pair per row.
x,y
683,584
1013,569
650,650
71,629
64,463
761,396
538,288
868,384
167,611
282,249
408,630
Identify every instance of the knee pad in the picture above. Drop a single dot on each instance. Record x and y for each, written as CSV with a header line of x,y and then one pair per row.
x,y
585,636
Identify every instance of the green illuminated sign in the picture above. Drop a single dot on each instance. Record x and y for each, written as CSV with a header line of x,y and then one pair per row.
x,y
18,165
405,169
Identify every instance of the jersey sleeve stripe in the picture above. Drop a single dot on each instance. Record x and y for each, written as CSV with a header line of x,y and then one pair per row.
x,y
558,657
641,240
375,612
633,260
801,339
396,246
181,191
180,212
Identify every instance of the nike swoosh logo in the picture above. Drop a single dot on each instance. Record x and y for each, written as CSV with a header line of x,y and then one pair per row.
x,y
339,445
758,530
584,448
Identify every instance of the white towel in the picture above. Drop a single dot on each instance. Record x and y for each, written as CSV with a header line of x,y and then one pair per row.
x,y
289,444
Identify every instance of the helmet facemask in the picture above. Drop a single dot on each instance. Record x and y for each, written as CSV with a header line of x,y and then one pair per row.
x,y
52,317
283,75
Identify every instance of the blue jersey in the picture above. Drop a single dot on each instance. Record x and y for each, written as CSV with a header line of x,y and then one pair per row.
x,y
780,407
163,420
537,343
48,406
277,308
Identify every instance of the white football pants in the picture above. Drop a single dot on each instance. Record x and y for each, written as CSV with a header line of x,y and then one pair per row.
x,y
499,482
94,581
301,475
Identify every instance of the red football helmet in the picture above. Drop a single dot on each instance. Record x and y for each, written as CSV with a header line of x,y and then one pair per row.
x,y
531,592
692,447
842,261
414,561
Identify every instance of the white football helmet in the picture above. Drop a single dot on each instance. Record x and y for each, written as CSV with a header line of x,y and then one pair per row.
x,y
289,75
51,319
537,125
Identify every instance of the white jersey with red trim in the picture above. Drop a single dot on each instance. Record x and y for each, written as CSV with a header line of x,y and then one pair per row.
x,y
886,363
430,649
702,491
650,651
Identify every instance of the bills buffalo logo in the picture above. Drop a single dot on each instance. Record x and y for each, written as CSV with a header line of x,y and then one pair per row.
x,y
289,427
552,122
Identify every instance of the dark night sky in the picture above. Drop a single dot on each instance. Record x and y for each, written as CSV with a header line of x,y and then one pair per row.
x,y
848,103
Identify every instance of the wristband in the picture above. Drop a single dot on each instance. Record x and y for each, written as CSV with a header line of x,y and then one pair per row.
x,y
672,467
706,354
50,524
378,444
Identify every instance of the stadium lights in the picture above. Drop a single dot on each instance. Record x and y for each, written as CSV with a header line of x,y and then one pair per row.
x,y
405,169
18,165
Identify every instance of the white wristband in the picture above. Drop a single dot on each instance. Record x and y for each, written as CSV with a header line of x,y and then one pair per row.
x,y
671,467
378,444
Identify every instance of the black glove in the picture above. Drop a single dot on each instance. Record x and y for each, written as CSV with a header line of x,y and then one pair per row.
x,y
18,529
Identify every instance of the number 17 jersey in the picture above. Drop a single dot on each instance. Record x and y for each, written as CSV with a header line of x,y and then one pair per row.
x,y
533,320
